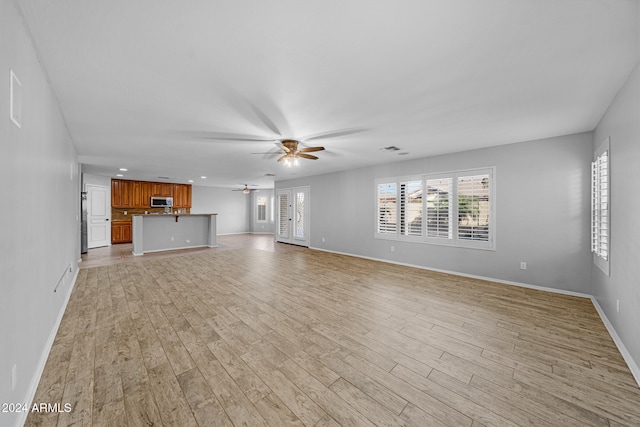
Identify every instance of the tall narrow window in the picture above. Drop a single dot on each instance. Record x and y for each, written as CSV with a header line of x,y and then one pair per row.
x,y
261,209
411,208
473,207
386,209
600,173
439,208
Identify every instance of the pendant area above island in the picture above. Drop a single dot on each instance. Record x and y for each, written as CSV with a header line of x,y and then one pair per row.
x,y
166,232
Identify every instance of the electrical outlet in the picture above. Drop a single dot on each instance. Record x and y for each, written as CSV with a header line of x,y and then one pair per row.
x,y
172,238
125,212
523,265
14,377
188,241
323,240
393,248
618,305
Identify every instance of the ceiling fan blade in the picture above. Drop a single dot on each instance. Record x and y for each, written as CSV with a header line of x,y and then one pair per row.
x,y
222,136
283,157
307,156
335,134
310,149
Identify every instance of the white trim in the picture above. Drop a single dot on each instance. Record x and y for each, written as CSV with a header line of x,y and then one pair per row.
x,y
633,366
35,380
631,363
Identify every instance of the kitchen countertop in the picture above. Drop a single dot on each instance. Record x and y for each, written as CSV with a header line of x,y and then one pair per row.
x,y
176,214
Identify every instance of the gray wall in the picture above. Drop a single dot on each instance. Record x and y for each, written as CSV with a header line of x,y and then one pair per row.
x,y
621,123
39,219
232,207
542,211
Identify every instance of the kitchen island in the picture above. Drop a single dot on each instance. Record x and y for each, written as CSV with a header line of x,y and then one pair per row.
x,y
166,232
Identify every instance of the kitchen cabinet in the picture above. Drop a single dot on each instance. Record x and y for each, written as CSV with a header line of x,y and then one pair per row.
x,y
161,189
127,194
120,232
121,193
181,196
141,194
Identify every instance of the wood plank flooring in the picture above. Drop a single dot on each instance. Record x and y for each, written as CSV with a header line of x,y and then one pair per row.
x,y
264,334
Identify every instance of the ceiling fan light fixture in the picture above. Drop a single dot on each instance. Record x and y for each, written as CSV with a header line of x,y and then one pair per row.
x,y
246,191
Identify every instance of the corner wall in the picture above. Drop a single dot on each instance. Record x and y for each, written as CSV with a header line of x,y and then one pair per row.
x,y
621,123
39,220
542,213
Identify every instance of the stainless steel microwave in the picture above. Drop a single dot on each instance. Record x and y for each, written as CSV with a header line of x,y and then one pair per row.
x,y
161,202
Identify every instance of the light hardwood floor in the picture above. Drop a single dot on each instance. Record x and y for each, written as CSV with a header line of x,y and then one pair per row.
x,y
257,333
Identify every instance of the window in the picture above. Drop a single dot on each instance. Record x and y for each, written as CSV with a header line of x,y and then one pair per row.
x,y
457,208
411,208
261,209
600,173
386,209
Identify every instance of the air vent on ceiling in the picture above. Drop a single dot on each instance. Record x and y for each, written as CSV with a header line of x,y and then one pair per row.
x,y
163,177
269,174
390,148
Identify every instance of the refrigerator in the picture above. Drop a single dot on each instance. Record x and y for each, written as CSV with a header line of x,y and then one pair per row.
x,y
84,243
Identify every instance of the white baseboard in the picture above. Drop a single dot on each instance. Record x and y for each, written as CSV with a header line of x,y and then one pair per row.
x,y
470,276
35,380
631,363
633,366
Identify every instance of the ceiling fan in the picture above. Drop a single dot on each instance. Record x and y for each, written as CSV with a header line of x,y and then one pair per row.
x,y
246,189
289,150
291,153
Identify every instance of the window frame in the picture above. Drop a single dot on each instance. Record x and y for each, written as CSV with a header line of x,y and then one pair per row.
x,y
266,206
454,240
603,263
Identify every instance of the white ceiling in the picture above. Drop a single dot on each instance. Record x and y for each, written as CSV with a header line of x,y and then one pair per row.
x,y
143,83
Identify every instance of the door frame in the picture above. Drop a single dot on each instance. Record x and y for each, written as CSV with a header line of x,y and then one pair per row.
x,y
107,217
291,216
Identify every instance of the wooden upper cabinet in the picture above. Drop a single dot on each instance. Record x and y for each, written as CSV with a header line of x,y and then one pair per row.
x,y
181,196
137,194
141,194
121,193
161,189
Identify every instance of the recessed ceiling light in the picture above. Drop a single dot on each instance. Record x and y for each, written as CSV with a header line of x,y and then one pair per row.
x,y
190,180
203,177
123,169
119,174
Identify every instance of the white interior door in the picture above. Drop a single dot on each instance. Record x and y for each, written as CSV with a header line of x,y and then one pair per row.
x,y
98,214
293,216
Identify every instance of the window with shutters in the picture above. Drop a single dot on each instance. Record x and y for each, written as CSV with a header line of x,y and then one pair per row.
x,y
386,212
439,208
452,208
600,174
411,208
261,209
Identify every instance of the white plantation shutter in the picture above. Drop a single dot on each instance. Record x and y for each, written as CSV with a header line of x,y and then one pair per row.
x,y
386,209
283,220
261,209
473,207
439,208
600,206
450,208
411,208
